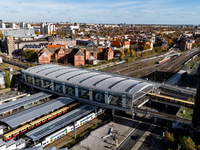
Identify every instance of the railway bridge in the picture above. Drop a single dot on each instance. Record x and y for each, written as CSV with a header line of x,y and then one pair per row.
x,y
92,87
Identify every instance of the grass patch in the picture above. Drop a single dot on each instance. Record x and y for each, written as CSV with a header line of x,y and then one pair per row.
x,y
188,113
4,67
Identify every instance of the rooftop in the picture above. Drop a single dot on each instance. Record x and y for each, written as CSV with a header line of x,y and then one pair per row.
x,y
60,122
29,114
90,79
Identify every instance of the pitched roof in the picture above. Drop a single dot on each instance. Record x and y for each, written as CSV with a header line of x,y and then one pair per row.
x,y
116,43
79,53
56,46
44,49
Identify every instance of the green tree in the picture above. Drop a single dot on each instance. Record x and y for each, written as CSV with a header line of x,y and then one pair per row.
x,y
30,54
7,79
187,143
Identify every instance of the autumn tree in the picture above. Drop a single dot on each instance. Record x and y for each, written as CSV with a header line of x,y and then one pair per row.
x,y
187,143
30,54
1,35
198,41
194,45
122,54
169,41
146,46
170,140
133,54
127,51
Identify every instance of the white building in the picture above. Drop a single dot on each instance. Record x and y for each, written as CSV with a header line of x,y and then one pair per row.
x,y
27,25
12,25
42,28
22,24
47,28
2,25
2,81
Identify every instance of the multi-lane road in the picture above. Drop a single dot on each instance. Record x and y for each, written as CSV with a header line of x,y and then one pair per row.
x,y
145,136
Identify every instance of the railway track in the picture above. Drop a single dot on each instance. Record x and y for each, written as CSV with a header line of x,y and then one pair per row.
x,y
132,65
66,139
143,68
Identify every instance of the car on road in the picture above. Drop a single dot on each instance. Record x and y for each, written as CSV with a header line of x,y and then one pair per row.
x,y
135,137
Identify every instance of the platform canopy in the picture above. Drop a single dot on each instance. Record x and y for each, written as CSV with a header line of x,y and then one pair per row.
x,y
60,122
37,111
9,106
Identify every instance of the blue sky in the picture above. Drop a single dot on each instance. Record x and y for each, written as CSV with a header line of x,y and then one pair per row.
x,y
102,11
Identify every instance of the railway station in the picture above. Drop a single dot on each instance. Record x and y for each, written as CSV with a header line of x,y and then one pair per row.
x,y
37,111
88,86
20,104
63,124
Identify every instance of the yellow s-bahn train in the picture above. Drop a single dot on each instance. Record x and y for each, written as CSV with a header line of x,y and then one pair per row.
x,y
173,100
39,121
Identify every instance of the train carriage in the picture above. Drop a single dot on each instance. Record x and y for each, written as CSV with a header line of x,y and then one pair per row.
x,y
173,100
39,121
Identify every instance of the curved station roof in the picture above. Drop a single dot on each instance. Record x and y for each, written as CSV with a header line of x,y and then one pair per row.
x,y
89,79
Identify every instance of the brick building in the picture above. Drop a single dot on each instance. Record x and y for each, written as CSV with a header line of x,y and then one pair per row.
x,y
99,53
73,56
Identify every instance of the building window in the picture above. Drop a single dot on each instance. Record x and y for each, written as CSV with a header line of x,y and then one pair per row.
x,y
83,93
58,87
47,84
29,79
98,97
128,103
70,90
38,82
115,100
23,77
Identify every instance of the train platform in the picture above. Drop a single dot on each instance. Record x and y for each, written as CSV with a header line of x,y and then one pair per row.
x,y
11,96
22,102
37,111
60,122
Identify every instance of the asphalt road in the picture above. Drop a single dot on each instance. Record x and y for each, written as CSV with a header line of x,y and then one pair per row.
x,y
152,142
132,139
